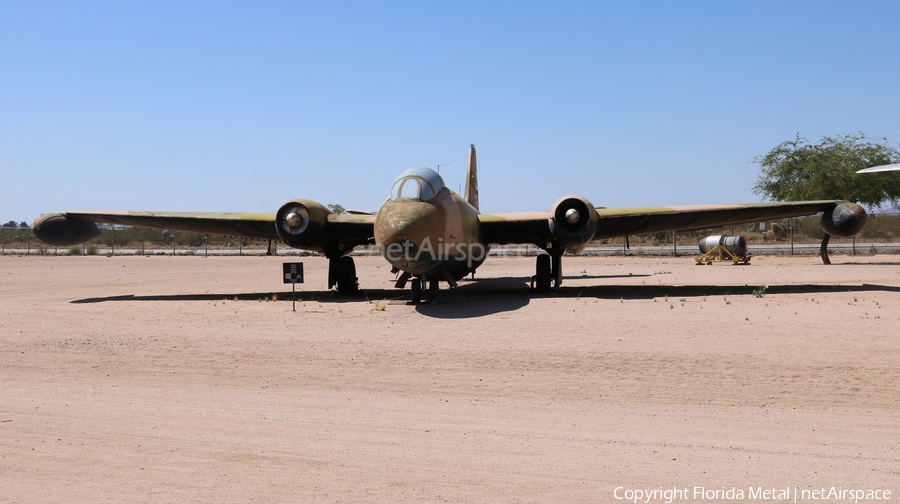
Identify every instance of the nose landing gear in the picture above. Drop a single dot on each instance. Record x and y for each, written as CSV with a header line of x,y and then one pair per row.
x,y
416,291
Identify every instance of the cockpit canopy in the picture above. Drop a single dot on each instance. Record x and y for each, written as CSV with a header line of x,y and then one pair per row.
x,y
420,184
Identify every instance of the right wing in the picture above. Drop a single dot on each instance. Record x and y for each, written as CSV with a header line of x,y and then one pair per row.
x,y
72,228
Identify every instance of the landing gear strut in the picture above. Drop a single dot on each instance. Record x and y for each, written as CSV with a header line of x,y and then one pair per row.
x,y
342,272
823,249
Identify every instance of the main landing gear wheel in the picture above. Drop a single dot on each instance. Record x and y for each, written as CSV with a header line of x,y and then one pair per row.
x,y
433,287
416,291
556,264
549,267
542,273
342,272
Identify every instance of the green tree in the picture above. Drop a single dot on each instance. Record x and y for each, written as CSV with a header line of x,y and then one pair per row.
x,y
336,208
798,170
11,223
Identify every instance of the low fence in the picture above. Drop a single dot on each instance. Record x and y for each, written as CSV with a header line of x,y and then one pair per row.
x,y
787,236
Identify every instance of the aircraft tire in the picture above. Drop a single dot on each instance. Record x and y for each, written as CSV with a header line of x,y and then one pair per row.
x,y
347,282
542,274
433,287
416,291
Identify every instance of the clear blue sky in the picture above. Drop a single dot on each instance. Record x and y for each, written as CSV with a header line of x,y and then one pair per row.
x,y
240,106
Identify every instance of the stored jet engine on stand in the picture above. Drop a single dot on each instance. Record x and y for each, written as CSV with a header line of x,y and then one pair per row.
x,y
717,248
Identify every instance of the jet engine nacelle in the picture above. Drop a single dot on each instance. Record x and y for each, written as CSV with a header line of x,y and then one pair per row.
x,y
844,220
60,230
300,224
573,222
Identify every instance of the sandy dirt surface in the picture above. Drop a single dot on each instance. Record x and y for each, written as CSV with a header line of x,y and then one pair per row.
x,y
179,379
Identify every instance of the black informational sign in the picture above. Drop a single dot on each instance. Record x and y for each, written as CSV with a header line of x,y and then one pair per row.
x,y
293,272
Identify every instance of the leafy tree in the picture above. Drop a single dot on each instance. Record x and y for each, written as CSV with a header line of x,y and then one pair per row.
x,y
336,208
11,223
797,170
23,224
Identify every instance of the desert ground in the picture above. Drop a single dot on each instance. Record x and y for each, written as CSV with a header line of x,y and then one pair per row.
x,y
190,379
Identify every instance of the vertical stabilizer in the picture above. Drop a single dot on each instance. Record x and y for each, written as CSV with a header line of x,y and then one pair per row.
x,y
471,194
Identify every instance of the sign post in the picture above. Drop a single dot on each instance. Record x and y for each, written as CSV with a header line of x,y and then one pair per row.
x,y
293,274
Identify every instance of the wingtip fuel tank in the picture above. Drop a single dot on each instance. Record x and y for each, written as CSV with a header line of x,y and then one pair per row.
x,y
61,230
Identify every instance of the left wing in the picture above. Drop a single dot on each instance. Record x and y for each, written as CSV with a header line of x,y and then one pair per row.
x,y
532,227
626,221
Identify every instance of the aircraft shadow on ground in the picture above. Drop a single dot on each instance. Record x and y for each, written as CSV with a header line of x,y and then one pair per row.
x,y
655,291
485,297
474,298
867,264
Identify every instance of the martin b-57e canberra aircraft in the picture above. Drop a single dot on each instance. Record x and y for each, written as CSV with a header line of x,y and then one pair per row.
x,y
431,234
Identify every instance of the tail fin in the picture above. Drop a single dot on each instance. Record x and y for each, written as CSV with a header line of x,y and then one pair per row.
x,y
472,179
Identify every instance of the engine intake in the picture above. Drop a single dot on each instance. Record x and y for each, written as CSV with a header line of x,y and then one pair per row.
x,y
573,222
300,223
844,220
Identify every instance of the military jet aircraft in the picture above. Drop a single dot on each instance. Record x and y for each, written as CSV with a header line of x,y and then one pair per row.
x,y
882,168
430,234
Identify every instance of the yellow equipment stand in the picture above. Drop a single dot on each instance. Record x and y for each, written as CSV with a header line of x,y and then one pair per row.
x,y
720,254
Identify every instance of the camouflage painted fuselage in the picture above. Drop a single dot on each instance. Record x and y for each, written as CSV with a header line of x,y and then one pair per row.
x,y
431,239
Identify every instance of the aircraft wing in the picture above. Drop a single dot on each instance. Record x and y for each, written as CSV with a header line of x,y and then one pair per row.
x,y
882,168
532,227
69,228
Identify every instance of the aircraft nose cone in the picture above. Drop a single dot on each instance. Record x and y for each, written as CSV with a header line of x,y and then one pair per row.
x,y
406,221
392,230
